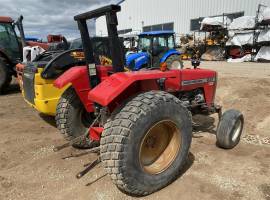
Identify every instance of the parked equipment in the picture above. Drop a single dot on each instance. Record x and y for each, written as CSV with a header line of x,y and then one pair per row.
x,y
36,78
155,48
143,119
11,49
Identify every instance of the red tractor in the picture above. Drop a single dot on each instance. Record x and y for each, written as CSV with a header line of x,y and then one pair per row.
x,y
143,119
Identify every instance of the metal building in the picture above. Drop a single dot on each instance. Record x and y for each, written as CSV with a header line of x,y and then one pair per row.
x,y
177,15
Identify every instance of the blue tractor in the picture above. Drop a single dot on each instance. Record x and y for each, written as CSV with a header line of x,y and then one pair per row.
x,y
155,48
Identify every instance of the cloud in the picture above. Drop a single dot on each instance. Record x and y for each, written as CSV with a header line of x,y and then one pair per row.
x,y
45,17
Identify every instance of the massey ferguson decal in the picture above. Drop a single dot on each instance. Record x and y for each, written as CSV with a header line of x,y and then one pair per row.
x,y
199,81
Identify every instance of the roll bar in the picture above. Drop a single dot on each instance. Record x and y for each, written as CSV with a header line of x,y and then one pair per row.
x,y
114,44
98,12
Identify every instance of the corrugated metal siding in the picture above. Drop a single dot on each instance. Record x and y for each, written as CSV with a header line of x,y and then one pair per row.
x,y
178,11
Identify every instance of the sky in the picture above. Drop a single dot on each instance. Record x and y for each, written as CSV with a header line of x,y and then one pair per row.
x,y
43,17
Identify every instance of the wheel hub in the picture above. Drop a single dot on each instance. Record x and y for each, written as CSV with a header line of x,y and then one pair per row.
x,y
159,147
151,142
175,65
237,130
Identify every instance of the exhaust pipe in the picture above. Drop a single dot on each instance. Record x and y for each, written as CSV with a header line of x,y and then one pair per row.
x,y
19,24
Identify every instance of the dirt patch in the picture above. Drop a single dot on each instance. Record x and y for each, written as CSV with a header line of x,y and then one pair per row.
x,y
265,188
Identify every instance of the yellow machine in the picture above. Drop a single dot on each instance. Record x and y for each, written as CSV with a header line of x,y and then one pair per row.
x,y
36,78
46,95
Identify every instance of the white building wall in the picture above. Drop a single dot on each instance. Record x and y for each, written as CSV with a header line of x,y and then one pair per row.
x,y
150,12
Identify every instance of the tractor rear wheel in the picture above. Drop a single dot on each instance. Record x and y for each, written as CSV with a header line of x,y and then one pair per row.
x,y
72,119
174,62
5,77
146,142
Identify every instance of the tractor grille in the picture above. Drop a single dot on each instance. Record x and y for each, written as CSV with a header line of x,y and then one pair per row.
x,y
28,83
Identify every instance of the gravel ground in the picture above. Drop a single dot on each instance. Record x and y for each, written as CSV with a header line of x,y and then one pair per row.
x,y
29,169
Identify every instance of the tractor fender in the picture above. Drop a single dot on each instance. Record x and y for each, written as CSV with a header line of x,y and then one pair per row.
x,y
168,54
120,84
140,59
74,76
78,78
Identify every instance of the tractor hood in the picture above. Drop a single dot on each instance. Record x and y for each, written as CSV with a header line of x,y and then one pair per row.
x,y
135,60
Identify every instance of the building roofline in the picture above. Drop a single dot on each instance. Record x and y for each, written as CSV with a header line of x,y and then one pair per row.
x,y
157,33
120,2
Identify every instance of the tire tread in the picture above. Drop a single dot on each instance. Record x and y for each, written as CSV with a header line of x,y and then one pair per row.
x,y
114,139
62,112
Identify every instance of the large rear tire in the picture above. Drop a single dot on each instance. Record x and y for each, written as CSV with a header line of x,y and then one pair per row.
x,y
174,62
145,144
5,76
72,119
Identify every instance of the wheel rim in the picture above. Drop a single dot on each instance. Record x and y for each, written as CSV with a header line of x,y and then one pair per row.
x,y
176,64
237,130
159,147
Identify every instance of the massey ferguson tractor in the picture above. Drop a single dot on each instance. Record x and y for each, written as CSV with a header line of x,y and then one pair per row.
x,y
142,121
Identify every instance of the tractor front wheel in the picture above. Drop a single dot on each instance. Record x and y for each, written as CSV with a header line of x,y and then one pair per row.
x,y
174,62
229,129
146,142
72,119
5,77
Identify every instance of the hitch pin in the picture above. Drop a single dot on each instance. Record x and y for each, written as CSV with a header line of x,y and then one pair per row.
x,y
93,150
89,166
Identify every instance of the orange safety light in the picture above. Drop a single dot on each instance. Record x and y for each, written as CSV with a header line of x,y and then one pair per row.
x,y
163,66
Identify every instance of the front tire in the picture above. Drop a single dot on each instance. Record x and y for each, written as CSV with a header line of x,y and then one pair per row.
x,y
229,129
71,117
5,77
145,144
174,62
